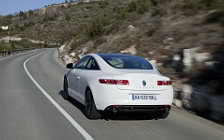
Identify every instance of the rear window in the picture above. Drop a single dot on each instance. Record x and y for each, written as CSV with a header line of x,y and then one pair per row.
x,y
127,62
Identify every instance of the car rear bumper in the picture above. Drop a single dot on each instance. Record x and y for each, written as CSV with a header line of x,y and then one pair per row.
x,y
110,96
138,108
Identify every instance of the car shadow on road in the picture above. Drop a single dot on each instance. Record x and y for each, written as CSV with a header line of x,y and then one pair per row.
x,y
128,116
112,116
74,102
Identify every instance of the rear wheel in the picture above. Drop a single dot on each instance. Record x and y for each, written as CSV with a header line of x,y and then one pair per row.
x,y
90,107
65,86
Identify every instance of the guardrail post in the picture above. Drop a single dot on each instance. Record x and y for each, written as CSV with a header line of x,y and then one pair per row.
x,y
11,52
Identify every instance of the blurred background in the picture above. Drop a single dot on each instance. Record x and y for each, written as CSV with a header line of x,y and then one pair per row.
x,y
184,39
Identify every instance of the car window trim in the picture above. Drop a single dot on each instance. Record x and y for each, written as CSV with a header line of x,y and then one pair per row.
x,y
75,67
89,62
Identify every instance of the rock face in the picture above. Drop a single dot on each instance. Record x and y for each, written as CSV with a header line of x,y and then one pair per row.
x,y
177,62
201,98
201,88
10,38
67,59
186,95
131,28
192,56
85,47
53,8
130,50
186,60
63,52
5,28
217,105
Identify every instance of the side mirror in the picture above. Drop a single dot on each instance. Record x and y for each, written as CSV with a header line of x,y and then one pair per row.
x,y
69,66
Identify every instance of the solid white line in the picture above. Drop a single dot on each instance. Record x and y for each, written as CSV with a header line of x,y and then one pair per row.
x,y
67,116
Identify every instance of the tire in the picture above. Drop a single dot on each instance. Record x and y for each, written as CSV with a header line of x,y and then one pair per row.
x,y
65,89
90,107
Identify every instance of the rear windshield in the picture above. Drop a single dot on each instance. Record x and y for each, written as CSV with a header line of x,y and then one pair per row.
x,y
127,62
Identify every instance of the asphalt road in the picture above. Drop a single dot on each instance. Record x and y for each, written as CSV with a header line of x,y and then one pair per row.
x,y
27,114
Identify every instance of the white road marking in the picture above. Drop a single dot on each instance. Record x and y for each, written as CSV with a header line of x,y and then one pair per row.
x,y
67,116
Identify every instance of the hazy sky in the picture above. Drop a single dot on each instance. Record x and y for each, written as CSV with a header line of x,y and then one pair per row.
x,y
12,6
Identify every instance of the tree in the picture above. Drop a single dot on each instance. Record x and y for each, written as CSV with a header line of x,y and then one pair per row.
x,y
30,12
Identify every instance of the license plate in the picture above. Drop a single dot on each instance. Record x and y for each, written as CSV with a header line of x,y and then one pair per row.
x,y
144,97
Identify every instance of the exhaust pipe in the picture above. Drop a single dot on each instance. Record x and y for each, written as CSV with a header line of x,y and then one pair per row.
x,y
114,110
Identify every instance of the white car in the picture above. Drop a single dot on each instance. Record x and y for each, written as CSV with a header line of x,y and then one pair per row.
x,y
118,83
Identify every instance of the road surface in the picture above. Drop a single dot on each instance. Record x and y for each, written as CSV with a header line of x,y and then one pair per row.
x,y
27,113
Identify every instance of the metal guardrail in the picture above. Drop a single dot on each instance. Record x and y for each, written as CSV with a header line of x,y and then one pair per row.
x,y
14,51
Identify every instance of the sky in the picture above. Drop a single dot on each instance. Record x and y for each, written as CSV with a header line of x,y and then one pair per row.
x,y
13,6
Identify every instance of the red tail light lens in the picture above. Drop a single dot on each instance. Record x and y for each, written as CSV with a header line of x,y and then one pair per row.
x,y
164,83
114,82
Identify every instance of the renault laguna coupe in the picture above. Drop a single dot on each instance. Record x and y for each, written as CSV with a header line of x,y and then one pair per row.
x,y
118,83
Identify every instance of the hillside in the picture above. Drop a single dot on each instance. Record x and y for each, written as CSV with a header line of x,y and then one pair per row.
x,y
183,38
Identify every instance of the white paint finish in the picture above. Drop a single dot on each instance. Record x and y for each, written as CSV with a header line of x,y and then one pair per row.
x,y
66,115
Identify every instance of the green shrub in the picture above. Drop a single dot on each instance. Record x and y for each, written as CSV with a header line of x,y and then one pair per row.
x,y
121,12
28,24
157,2
22,15
99,41
216,17
24,43
139,6
6,20
4,46
142,8
103,4
96,28
82,28
204,4
30,12
132,7
67,17
50,18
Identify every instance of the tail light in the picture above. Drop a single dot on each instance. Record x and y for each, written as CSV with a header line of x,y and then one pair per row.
x,y
164,83
114,82
167,107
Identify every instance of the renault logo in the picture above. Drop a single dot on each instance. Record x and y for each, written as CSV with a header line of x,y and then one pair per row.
x,y
143,82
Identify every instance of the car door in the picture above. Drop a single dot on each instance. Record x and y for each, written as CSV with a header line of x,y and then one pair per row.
x,y
74,78
87,75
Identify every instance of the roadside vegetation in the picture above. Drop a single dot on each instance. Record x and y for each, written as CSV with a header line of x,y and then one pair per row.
x,y
24,43
87,21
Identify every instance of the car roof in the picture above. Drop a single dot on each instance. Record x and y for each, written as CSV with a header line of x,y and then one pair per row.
x,y
116,55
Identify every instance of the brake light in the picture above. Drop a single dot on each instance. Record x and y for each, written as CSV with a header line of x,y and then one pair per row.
x,y
114,82
167,107
164,83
